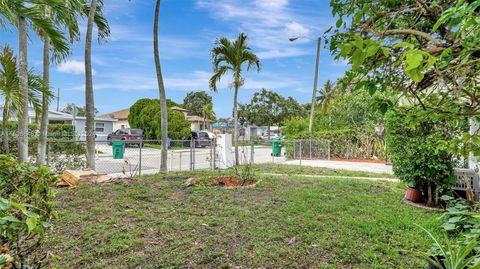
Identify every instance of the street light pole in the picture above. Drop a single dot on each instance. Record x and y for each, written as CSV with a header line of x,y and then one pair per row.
x,y
314,95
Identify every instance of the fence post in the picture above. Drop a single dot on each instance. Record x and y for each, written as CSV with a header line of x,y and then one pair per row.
x,y
180,157
301,151
48,154
329,149
140,159
310,148
192,154
294,149
214,153
252,152
171,160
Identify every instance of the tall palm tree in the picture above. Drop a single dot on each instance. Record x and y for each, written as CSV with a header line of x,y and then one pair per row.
x,y
19,14
95,16
9,89
161,90
230,57
67,19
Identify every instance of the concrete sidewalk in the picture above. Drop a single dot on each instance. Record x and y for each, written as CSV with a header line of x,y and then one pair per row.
x,y
345,165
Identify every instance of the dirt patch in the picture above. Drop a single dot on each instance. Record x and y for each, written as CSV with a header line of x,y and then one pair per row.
x,y
357,160
222,182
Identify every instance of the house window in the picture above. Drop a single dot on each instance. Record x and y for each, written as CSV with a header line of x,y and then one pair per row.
x,y
99,127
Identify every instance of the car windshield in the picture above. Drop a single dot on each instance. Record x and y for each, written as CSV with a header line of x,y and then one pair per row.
x,y
203,135
136,131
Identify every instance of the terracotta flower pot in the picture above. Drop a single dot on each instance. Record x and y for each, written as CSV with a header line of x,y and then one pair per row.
x,y
413,195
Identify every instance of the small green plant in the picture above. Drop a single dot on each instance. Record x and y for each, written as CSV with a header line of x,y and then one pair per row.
x,y
452,256
26,207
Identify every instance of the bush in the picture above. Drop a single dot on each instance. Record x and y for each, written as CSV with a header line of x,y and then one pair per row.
x,y
150,122
413,139
26,207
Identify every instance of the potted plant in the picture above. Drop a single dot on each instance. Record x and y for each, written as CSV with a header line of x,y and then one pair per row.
x,y
413,139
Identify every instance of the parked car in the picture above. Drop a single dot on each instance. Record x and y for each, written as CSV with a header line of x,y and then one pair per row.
x,y
130,136
202,139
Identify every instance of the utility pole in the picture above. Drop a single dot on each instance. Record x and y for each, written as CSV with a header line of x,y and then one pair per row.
x,y
314,95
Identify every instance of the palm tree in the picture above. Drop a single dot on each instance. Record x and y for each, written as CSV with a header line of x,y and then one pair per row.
x,y
327,94
230,56
19,13
161,89
94,16
207,113
9,89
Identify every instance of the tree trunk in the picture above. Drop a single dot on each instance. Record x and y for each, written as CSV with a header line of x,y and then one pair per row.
x,y
42,140
235,123
89,98
430,195
268,131
161,89
5,117
23,88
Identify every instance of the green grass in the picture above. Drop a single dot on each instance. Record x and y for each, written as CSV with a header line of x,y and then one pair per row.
x,y
156,222
308,170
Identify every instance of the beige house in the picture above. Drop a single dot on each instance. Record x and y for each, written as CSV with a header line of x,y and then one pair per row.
x,y
121,116
196,123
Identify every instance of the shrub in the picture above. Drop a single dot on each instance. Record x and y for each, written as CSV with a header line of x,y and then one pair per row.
x,y
26,207
413,139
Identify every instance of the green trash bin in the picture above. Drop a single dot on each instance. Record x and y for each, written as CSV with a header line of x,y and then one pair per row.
x,y
277,147
118,148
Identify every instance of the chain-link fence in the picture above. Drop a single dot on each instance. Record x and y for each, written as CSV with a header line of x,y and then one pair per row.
x,y
144,157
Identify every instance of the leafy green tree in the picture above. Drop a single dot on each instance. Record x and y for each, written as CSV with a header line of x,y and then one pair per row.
x,y
194,102
81,111
425,51
149,122
136,108
231,56
9,89
266,108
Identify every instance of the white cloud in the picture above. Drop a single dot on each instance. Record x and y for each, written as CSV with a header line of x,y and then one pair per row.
x,y
296,29
73,67
268,23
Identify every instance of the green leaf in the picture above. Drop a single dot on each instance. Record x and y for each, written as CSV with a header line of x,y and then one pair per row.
x,y
449,226
339,23
372,50
413,60
31,224
404,44
9,219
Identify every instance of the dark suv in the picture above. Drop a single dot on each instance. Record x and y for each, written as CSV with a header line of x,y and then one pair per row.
x,y
130,136
202,140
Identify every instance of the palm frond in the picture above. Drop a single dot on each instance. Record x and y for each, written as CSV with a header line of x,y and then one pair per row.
x,y
217,76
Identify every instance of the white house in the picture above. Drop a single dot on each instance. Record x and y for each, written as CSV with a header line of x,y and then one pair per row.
x,y
103,126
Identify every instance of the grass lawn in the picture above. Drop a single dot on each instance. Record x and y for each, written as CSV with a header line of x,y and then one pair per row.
x,y
156,222
309,170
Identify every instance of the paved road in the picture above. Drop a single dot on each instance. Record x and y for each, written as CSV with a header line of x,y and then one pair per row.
x,y
178,160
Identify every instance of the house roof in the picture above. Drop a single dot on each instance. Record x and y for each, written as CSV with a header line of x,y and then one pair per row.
x,y
53,115
178,109
197,119
119,115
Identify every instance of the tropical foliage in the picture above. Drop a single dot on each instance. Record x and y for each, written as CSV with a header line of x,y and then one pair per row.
x,y
231,57
425,51
194,102
413,138
145,114
26,210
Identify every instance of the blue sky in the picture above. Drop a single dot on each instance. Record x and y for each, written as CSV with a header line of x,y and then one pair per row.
x,y
124,67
